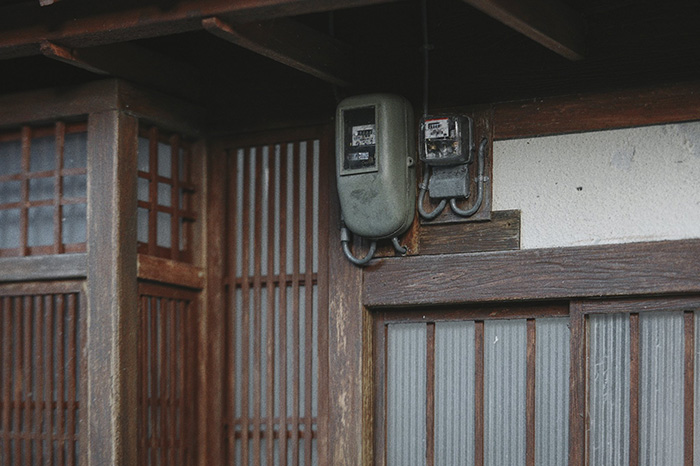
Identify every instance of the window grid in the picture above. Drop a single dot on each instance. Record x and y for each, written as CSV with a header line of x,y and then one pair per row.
x,y
165,214
29,180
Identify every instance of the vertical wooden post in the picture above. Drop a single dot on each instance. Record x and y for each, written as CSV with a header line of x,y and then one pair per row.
x,y
577,385
112,315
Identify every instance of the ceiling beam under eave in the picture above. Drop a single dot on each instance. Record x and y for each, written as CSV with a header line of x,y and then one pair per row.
x,y
547,22
133,63
87,24
293,44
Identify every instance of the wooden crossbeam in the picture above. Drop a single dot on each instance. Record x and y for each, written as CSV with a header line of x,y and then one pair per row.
x,y
293,44
547,22
24,27
131,62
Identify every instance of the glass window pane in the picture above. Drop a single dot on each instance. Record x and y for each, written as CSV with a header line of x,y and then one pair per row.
x,y
43,154
10,191
181,164
163,230
75,150
9,229
41,189
41,226
144,157
142,225
165,160
75,186
164,194
144,187
74,223
10,157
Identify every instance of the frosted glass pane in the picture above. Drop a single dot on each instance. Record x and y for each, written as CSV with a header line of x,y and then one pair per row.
x,y
163,228
9,229
552,363
75,150
43,154
143,189
164,194
661,346
454,393
609,387
74,223
10,157
142,225
41,189
505,389
40,226
144,157
10,191
406,394
164,160
75,186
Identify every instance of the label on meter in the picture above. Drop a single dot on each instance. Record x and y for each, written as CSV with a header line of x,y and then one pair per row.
x,y
437,129
363,135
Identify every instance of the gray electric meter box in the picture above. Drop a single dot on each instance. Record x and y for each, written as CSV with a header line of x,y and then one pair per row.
x,y
375,149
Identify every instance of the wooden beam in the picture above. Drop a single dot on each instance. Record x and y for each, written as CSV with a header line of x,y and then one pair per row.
x,y
663,267
547,22
34,268
293,44
24,27
131,62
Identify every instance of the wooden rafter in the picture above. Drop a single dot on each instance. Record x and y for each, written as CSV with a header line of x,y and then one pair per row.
x,y
547,22
131,62
23,28
291,43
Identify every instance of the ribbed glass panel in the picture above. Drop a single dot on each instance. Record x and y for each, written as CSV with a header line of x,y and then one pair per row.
x,y
505,389
406,403
608,385
552,363
661,345
454,393
696,418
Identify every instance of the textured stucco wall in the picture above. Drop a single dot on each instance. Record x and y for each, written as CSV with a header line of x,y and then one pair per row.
x,y
638,184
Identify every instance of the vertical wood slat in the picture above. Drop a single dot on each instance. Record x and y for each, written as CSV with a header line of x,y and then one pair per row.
x,y
72,373
40,396
245,325
270,290
295,306
308,301
634,388
155,423
27,370
234,218
153,189
577,385
689,389
287,163
430,396
60,376
17,369
530,393
58,246
257,303
7,375
49,373
175,197
479,423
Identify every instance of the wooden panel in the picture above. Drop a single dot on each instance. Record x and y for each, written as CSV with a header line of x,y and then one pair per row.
x,y
593,112
170,272
663,267
14,269
577,385
112,308
634,388
689,388
500,234
42,337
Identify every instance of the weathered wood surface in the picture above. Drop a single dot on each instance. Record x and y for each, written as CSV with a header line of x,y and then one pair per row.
x,y
55,267
663,267
170,272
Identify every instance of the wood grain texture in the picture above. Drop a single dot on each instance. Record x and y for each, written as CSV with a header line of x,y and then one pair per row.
x,y
171,272
663,267
500,234
56,267
634,388
550,23
689,388
599,111
577,385
113,300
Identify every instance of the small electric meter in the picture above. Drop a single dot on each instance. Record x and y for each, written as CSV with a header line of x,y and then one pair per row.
x,y
446,140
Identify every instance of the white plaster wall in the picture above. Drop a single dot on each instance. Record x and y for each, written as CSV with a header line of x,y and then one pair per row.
x,y
638,184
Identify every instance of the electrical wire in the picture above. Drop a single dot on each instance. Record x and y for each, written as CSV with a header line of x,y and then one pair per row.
x,y
480,190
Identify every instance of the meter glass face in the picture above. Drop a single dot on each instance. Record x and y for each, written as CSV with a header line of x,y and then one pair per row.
x,y
360,138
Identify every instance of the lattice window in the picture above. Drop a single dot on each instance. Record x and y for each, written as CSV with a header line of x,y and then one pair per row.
x,y
167,363
165,192
42,367
276,316
43,190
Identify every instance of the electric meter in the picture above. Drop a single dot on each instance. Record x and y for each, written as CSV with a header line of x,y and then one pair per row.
x,y
446,140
